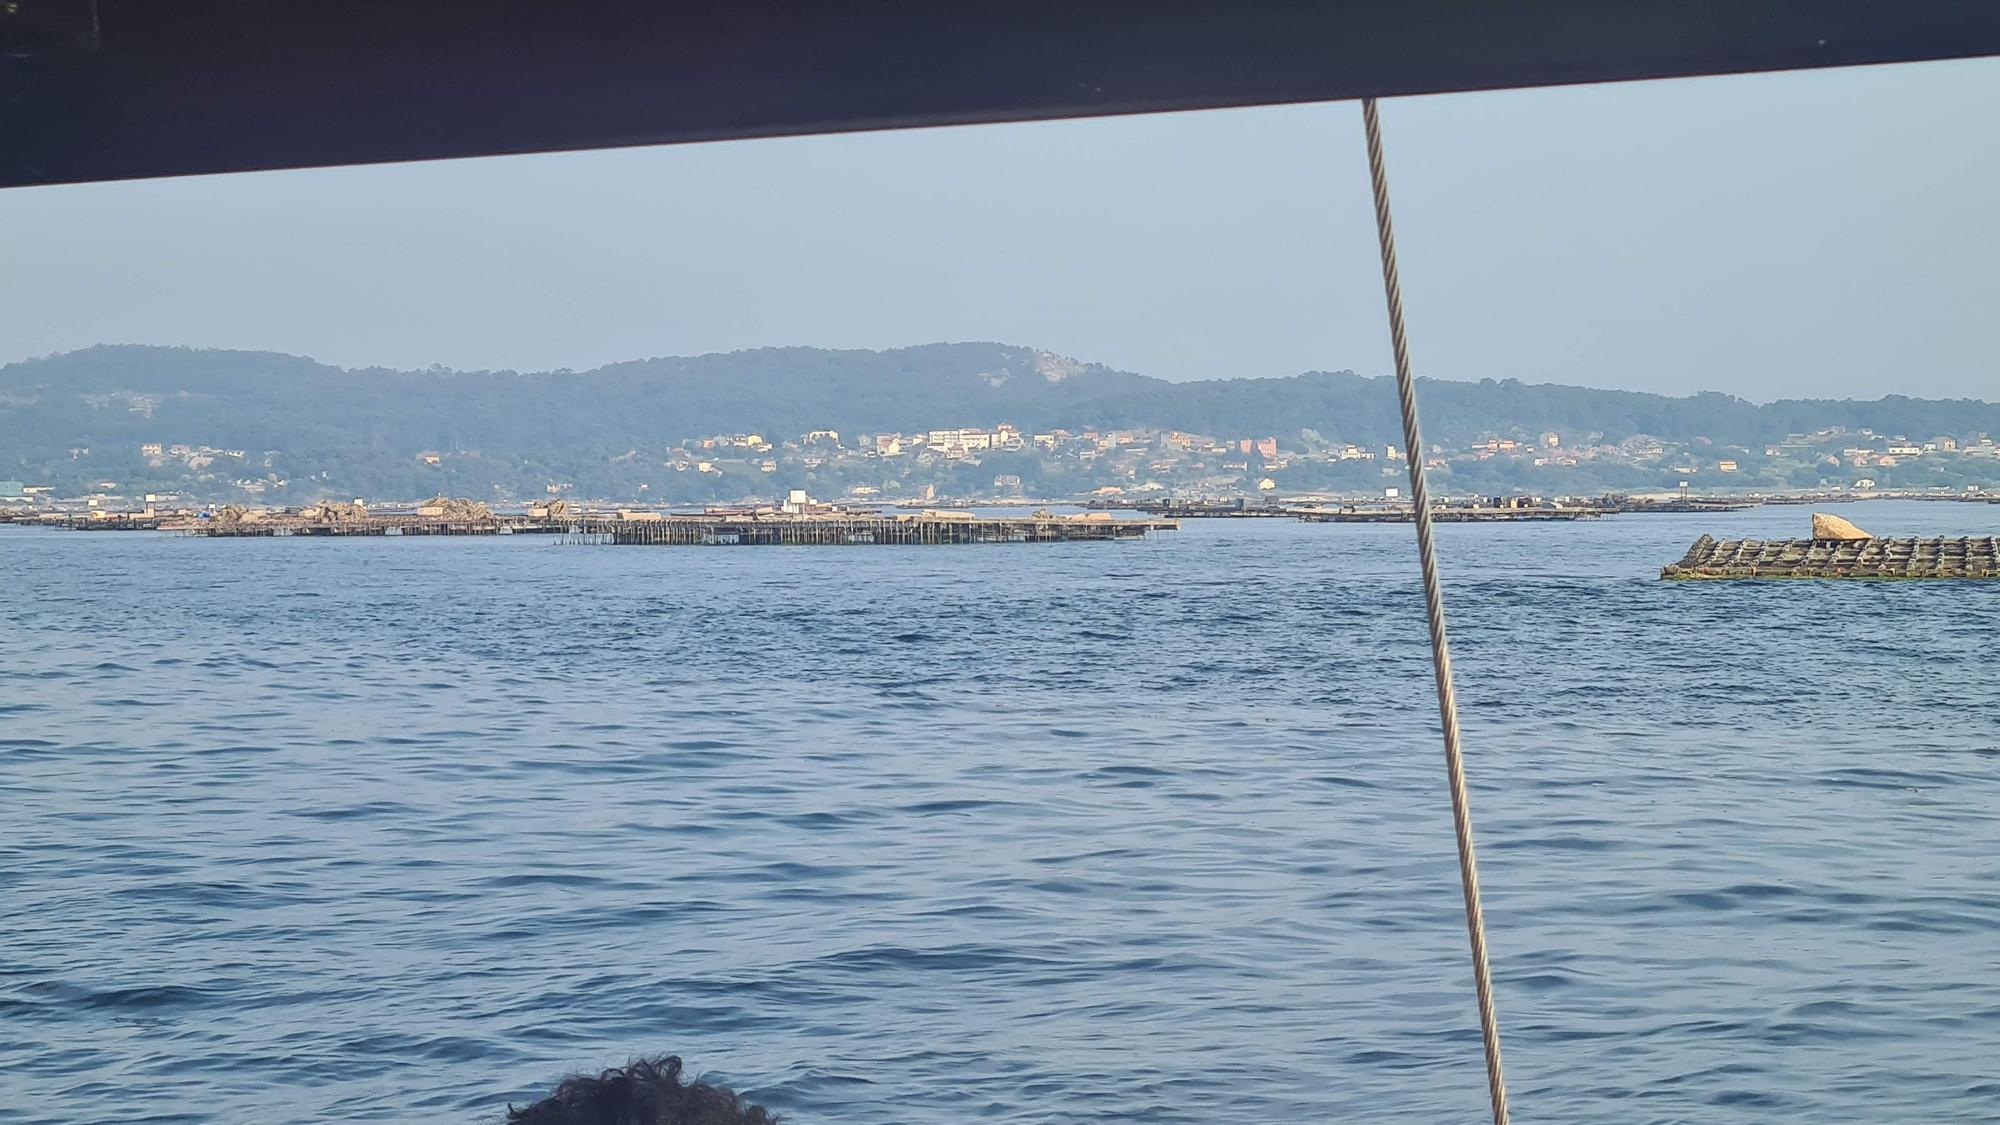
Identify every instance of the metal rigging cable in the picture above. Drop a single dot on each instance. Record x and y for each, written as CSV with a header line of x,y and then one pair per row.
x,y
1454,758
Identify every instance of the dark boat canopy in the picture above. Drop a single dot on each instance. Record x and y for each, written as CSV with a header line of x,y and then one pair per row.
x,y
112,89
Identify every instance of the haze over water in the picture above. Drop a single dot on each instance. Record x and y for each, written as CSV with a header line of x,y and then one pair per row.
x,y
382,829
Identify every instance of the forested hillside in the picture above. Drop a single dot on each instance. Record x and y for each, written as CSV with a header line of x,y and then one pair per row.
x,y
361,430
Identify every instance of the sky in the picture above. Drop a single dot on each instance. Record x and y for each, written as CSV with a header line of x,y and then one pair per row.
x,y
1827,233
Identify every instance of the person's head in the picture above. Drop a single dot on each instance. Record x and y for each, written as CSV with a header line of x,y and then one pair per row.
x,y
648,1092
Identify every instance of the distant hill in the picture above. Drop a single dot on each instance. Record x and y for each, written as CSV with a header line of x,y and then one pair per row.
x,y
111,399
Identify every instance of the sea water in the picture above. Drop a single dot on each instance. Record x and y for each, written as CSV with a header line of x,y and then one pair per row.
x,y
405,829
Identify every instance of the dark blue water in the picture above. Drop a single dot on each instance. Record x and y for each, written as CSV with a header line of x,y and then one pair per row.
x,y
402,829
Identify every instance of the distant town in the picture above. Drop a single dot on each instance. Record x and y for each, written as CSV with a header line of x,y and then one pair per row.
x,y
1001,462
128,426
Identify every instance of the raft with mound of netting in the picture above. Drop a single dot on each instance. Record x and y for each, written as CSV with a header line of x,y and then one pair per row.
x,y
1838,549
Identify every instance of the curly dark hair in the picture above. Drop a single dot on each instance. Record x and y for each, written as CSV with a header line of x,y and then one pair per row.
x,y
648,1092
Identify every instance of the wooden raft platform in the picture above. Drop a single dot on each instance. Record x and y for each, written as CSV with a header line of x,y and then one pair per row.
x,y
1712,558
1451,515
1198,509
858,529
288,528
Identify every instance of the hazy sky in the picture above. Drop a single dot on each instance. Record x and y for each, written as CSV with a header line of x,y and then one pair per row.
x,y
1825,233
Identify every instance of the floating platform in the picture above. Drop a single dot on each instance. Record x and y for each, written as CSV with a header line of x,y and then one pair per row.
x,y
281,528
1452,515
1712,558
1198,509
1693,504
116,523
859,529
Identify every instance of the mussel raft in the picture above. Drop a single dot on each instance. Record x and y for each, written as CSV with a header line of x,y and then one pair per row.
x,y
1711,558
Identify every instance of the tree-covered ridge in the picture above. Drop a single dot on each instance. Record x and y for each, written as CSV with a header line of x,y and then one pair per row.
x,y
361,431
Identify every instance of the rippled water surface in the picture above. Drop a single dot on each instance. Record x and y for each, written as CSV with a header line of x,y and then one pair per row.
x,y
402,829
